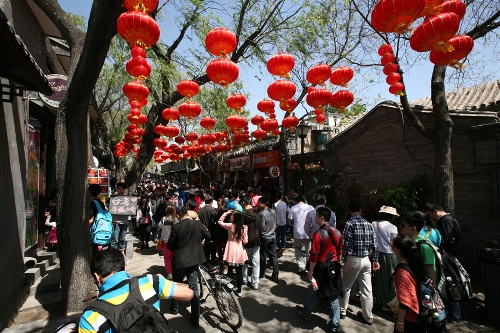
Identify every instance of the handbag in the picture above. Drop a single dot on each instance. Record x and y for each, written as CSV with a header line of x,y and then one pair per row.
x,y
144,220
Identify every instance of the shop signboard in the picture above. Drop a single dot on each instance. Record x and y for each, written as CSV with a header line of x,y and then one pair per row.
x,y
239,163
274,171
267,159
59,84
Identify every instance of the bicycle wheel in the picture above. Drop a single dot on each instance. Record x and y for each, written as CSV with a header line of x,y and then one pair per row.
x,y
229,306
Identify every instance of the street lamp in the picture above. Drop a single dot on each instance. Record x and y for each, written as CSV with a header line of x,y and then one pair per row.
x,y
301,131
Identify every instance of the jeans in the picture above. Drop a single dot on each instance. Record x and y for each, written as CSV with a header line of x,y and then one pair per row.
x,y
312,300
253,257
191,273
299,255
118,241
268,246
454,311
281,237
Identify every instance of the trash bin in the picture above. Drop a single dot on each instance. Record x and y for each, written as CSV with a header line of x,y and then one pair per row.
x,y
490,268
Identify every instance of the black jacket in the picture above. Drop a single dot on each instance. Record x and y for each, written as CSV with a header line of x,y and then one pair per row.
x,y
208,216
185,241
252,219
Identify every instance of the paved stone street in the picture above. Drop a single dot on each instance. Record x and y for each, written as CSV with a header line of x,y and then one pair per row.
x,y
270,309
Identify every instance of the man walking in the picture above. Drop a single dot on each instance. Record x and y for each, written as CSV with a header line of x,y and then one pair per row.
x,y
281,209
251,218
358,244
297,216
185,241
208,216
121,225
311,226
268,239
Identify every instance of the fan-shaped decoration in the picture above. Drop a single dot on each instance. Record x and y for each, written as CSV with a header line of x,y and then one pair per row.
x,y
289,105
236,101
384,48
236,122
146,6
208,123
341,76
397,89
454,6
342,99
259,133
281,64
138,29
170,114
318,74
434,32
320,118
257,120
136,90
431,7
269,125
462,46
387,58
281,90
188,88
393,78
190,110
170,131
138,67
222,71
390,68
220,42
290,122
319,98
159,142
396,16
266,106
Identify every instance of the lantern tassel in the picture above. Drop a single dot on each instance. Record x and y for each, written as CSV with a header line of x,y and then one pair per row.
x,y
443,47
456,64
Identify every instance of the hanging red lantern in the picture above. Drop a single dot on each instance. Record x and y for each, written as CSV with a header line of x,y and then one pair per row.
x,y
462,46
434,32
320,118
207,123
281,64
188,88
146,6
341,76
396,16
138,51
269,125
390,68
431,7
220,136
170,131
266,106
190,137
222,71
138,29
397,89
133,116
131,127
138,104
136,90
342,99
220,148
288,105
384,48
207,138
257,120
142,119
259,134
318,98
454,6
290,122
393,78
387,59
276,132
272,115
281,90
318,74
158,129
179,139
236,122
159,142
158,152
138,67
318,111
170,114
220,42
236,101
190,110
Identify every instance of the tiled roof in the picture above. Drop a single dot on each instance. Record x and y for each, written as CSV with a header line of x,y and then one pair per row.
x,y
255,146
483,97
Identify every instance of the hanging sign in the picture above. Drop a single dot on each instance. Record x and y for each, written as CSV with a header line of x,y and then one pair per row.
x,y
274,171
59,85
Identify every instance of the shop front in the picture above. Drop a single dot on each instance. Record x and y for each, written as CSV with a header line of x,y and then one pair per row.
x,y
268,169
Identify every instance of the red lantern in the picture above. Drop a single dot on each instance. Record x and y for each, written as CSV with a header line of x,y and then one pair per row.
x,y
159,129
207,123
431,7
269,125
266,106
179,139
434,32
397,89
454,6
138,67
220,148
138,29
390,68
462,46
257,120
318,74
138,51
320,118
188,88
341,76
259,134
220,136
133,116
281,90
136,90
342,99
318,111
290,122
170,114
160,143
387,58
396,16
190,110
190,137
276,132
319,98
207,139
272,115
384,48
220,42
142,119
236,122
158,152
281,64
138,104
170,131
236,101
393,78
289,105
222,71
146,6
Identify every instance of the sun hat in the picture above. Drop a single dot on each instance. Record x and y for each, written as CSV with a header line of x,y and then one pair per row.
x,y
388,210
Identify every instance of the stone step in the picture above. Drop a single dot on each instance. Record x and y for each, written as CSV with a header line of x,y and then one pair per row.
x,y
50,281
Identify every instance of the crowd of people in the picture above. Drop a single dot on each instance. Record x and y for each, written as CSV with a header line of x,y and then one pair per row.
x,y
245,230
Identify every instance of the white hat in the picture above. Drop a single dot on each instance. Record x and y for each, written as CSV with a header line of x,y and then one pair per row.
x,y
388,210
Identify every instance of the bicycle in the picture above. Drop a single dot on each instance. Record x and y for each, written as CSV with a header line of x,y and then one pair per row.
x,y
221,288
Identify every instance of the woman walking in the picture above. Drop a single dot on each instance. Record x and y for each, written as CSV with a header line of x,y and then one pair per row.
x,y
165,227
143,220
235,254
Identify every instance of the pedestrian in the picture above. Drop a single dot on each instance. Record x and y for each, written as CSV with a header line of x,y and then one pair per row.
x,y
143,220
208,216
165,229
251,218
281,209
268,239
297,216
121,224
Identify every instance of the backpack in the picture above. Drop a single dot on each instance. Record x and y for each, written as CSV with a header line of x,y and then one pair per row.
x,y
441,286
457,280
431,306
101,231
134,315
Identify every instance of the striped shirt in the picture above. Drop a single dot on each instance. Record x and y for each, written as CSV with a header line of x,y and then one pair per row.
x,y
359,238
92,320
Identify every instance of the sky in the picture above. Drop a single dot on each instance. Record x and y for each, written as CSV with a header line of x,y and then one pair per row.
x,y
417,82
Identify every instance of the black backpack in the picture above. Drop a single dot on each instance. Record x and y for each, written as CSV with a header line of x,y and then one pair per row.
x,y
134,314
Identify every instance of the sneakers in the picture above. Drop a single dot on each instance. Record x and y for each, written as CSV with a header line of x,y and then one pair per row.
x,y
238,294
300,312
274,278
249,285
360,316
169,277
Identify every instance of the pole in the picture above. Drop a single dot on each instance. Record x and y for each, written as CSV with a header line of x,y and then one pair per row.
x,y
302,137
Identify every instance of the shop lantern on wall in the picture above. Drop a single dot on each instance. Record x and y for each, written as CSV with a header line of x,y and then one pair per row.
x,y
462,46
434,32
341,76
281,64
396,16
188,88
318,74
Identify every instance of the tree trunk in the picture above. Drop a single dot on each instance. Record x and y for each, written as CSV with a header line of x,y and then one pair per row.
x,y
441,140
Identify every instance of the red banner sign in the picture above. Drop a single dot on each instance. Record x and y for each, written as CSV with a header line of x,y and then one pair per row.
x,y
267,159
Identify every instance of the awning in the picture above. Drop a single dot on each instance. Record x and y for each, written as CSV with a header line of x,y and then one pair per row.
x,y
17,63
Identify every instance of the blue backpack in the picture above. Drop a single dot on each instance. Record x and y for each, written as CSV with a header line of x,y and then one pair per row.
x,y
101,231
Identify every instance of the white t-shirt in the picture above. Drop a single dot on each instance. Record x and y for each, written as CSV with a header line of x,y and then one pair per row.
x,y
281,208
385,232
298,213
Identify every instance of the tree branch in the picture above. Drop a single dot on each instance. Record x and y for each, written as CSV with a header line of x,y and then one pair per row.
x,y
485,27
